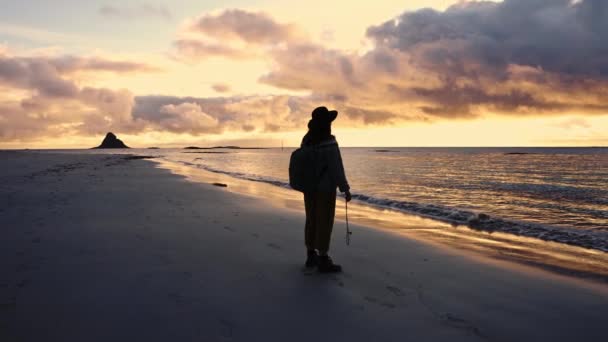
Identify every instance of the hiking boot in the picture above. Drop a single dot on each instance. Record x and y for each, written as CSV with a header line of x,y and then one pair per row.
x,y
312,259
326,265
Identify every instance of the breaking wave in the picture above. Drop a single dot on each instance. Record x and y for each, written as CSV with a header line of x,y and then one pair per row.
x,y
592,239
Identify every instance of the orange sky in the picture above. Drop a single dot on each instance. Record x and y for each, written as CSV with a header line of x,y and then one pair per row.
x,y
508,73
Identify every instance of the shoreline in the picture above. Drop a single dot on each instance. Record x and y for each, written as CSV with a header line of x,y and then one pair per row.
x,y
457,217
593,237
553,257
100,247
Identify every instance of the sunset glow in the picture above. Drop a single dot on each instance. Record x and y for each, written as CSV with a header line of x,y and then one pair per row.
x,y
416,73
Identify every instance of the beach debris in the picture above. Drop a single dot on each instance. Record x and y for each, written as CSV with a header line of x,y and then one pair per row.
x,y
138,157
223,148
483,217
476,220
210,152
221,185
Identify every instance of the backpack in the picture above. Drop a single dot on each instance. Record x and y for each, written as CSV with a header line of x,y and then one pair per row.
x,y
303,171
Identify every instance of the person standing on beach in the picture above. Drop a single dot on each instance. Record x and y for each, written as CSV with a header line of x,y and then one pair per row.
x,y
320,205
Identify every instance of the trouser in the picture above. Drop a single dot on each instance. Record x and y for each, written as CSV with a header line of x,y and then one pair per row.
x,y
320,213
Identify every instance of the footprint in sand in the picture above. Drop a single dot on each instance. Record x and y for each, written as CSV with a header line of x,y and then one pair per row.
x,y
164,259
275,246
338,281
459,323
26,268
11,306
308,271
378,302
226,329
229,229
176,297
396,291
370,299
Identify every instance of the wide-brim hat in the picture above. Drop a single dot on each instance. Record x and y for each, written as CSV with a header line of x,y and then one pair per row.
x,y
324,114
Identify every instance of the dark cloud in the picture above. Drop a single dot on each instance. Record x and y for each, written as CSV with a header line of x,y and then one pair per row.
x,y
573,123
194,50
271,127
332,76
143,10
221,87
161,113
459,101
36,74
47,75
13,126
516,57
187,117
368,116
513,57
52,103
555,35
67,64
249,27
248,128
242,113
149,108
233,34
308,66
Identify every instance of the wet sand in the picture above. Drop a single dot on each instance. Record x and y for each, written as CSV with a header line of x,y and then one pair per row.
x,y
99,248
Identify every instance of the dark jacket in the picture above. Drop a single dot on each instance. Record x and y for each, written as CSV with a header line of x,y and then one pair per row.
x,y
329,164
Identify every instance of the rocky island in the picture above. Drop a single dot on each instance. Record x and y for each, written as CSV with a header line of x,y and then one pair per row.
x,y
111,141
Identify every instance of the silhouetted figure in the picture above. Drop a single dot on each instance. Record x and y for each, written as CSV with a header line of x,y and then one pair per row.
x,y
320,199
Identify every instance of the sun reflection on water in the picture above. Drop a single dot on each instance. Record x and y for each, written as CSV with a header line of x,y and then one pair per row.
x,y
554,257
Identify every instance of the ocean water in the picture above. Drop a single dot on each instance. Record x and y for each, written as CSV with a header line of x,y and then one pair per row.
x,y
554,194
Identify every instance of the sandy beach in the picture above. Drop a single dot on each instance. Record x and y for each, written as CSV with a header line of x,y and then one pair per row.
x,y
114,248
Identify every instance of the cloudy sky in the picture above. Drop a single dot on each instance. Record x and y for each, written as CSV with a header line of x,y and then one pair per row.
x,y
401,73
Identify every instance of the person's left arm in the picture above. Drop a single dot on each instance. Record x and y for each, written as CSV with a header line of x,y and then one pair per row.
x,y
336,169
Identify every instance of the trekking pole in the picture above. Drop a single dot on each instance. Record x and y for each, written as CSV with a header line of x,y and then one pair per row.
x,y
348,232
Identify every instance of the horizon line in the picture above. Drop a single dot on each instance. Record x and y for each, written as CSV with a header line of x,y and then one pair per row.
x,y
287,147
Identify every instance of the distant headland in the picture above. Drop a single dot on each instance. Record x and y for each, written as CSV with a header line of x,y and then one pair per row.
x,y
223,147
